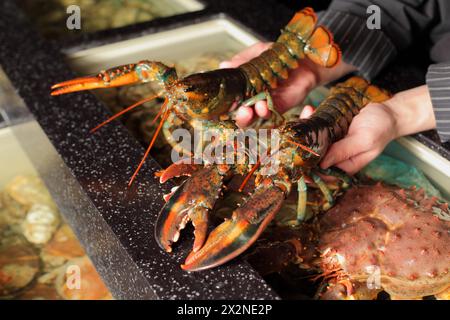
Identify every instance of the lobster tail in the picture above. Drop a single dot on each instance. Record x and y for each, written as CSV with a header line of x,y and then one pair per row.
x,y
303,23
317,44
376,94
346,100
362,91
321,49
299,39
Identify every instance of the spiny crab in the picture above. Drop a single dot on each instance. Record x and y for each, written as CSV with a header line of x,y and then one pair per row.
x,y
376,238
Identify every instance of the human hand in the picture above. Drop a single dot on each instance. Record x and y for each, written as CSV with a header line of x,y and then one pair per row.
x,y
289,92
369,133
376,125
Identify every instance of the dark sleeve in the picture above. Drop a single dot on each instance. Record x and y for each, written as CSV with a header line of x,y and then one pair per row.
x,y
438,81
440,33
370,49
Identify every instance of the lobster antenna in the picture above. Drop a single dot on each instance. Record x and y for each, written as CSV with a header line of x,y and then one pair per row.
x,y
258,164
124,111
247,177
157,116
304,147
155,135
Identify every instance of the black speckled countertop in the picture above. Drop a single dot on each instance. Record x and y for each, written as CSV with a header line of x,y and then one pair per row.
x,y
89,183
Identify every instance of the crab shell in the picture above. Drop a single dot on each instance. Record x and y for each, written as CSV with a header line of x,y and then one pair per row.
x,y
389,235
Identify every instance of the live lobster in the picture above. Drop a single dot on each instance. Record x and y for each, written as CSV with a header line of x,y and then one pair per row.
x,y
303,144
204,98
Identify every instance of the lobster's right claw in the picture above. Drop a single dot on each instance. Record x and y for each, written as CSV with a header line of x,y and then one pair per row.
x,y
235,235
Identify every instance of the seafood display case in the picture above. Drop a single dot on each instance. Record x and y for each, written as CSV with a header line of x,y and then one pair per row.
x,y
87,174
50,16
113,222
37,247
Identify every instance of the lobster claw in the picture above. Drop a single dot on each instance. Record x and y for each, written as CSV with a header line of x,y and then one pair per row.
x,y
235,235
133,73
114,77
192,201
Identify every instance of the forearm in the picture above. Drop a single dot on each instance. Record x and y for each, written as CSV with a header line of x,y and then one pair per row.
x,y
412,111
322,76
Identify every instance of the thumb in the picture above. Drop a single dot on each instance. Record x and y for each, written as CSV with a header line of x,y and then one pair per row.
x,y
307,112
343,150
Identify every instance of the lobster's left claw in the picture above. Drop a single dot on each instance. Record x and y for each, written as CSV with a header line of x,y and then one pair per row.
x,y
114,77
235,235
133,73
190,202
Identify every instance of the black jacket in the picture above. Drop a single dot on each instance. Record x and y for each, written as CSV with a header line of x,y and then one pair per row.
x,y
402,23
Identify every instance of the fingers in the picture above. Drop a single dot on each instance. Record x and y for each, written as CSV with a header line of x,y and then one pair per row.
x,y
307,112
345,149
356,163
262,110
244,116
294,90
246,55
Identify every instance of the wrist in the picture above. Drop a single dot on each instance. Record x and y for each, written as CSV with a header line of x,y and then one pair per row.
x,y
327,75
412,111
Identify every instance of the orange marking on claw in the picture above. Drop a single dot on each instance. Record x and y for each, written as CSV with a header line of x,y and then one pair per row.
x,y
171,222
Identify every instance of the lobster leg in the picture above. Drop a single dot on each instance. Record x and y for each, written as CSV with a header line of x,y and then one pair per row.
x,y
178,169
265,95
271,107
337,173
174,122
302,197
325,191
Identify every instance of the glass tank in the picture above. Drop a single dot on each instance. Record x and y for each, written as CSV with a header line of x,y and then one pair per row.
x,y
40,256
50,16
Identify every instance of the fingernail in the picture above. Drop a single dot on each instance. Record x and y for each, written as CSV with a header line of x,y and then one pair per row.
x,y
224,64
